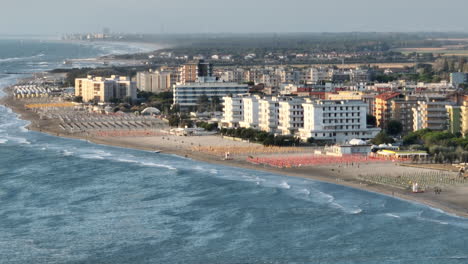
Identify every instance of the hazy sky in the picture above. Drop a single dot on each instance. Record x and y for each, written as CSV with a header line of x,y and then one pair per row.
x,y
201,16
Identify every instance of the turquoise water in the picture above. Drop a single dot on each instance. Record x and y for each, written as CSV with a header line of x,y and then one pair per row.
x,y
70,201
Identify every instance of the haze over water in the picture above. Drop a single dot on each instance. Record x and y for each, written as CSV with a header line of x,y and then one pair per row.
x,y
70,201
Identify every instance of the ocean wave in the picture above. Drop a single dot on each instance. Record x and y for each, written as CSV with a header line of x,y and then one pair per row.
x,y
284,185
21,58
348,210
92,156
18,140
67,153
143,163
432,220
392,215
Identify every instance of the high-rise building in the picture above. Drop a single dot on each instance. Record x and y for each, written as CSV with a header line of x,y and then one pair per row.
x,y
190,72
464,118
186,95
336,121
232,111
430,114
268,114
105,89
402,110
291,115
250,112
383,107
154,81
454,119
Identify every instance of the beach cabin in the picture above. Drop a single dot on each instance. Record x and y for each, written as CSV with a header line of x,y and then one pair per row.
x,y
399,154
353,147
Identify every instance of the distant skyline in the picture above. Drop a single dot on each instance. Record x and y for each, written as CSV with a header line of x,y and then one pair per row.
x,y
51,17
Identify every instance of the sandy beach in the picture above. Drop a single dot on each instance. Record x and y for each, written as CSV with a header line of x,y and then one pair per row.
x,y
452,199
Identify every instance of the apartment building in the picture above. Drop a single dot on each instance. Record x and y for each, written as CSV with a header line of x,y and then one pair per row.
x,y
316,75
102,89
291,115
336,120
269,114
464,118
154,81
186,95
383,107
232,111
454,119
190,72
250,112
402,110
430,114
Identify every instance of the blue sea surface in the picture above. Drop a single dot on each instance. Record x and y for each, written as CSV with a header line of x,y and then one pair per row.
x,y
70,201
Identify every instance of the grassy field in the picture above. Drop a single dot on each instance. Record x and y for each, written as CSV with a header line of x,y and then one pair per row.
x,y
449,50
354,65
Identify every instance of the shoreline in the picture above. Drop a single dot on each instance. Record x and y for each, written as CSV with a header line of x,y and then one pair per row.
x,y
451,201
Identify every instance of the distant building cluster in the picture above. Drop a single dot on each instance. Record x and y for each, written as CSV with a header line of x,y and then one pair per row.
x,y
325,103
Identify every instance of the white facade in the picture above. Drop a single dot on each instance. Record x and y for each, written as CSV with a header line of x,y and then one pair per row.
x,y
318,75
186,95
432,115
232,111
291,115
269,114
337,121
251,112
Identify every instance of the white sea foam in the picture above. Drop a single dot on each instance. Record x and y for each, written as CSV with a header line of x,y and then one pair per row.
x,y
3,140
392,215
21,58
18,140
92,156
322,196
433,220
146,164
347,209
305,191
285,185
67,153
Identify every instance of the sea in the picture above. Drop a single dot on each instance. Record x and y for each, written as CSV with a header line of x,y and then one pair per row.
x,y
71,201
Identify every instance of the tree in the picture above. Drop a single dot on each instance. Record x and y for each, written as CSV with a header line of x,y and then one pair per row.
x,y
382,138
410,139
202,103
174,120
394,127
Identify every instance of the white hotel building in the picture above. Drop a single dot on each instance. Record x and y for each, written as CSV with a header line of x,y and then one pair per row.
x,y
233,111
186,95
269,114
332,120
251,112
291,115
336,120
